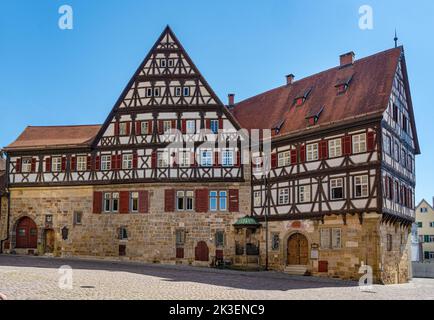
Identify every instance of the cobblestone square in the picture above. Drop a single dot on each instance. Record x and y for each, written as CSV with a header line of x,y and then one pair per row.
x,y
35,278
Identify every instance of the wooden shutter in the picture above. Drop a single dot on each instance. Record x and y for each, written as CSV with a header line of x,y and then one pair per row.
x,y
150,126
303,153
63,163
117,128
154,159
208,124
294,156
18,165
174,124
128,125
192,159
97,202
139,128
371,141
89,163
160,127
324,149
33,169
216,159
347,143
234,200
238,159
124,198
48,164
184,126
202,200
169,200
114,161
97,163
221,123
73,163
143,201
273,160
179,253
135,160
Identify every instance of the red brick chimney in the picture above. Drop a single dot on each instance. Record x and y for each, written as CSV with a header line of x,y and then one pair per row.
x,y
231,99
290,79
347,59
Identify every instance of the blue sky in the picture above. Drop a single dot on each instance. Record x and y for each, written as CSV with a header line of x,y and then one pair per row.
x,y
50,76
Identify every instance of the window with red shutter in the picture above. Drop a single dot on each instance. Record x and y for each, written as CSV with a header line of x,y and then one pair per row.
x,y
124,198
160,127
117,128
184,126
169,200
324,150
48,164
128,128
139,128
273,160
143,201
294,156
208,124
216,159
89,163
97,163
33,169
234,200
347,143
135,160
154,159
73,163
97,202
303,153
63,163
371,141
18,165
114,162
150,127
201,200
221,123
174,125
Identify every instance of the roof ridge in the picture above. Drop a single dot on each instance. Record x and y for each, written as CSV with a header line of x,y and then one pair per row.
x,y
66,125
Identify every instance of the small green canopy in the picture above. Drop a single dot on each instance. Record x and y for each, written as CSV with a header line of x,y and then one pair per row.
x,y
247,221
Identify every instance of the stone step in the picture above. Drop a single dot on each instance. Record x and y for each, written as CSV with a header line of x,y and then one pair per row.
x,y
296,270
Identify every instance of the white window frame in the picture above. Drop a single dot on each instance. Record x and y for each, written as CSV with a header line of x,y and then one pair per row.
x,y
56,164
163,63
144,127
336,183
134,202
206,158
186,91
122,128
127,161
283,196
115,199
335,148
312,152
81,163
163,159
26,165
167,125
214,123
331,238
178,91
284,158
106,162
304,193
257,198
107,201
363,183
359,143
190,126
149,92
156,91
187,200
184,158
227,157
170,63
223,200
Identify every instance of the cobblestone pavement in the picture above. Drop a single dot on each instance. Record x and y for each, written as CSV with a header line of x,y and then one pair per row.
x,y
38,278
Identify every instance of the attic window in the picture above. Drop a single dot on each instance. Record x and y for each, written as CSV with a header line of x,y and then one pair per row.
x,y
277,127
313,116
298,101
342,85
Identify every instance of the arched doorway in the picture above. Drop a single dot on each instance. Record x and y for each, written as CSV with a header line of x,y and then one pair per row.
x,y
298,250
26,234
201,252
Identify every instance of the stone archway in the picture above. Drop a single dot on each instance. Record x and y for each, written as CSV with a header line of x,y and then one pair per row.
x,y
297,249
26,234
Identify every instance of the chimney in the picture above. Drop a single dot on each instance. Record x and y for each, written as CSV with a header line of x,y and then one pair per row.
x,y
290,79
347,59
231,100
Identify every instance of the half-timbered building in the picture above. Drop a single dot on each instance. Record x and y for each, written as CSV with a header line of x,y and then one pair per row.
x,y
164,178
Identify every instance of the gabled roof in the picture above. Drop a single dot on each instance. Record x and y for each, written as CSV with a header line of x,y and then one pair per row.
x,y
51,137
368,94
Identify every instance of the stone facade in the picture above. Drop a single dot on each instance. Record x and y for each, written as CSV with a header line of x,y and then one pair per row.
x,y
3,217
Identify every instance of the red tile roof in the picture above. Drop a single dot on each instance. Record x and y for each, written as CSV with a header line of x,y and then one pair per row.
x,y
55,137
368,93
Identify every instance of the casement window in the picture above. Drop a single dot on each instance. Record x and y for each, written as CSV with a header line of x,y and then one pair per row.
x,y
429,255
387,145
56,164
162,159
404,124
275,241
283,196
389,243
167,125
115,202
127,161
123,233
149,92
284,159
184,159
180,237
134,204
397,193
359,143
424,210
111,202
186,91
106,162
144,127
227,158
428,238
419,224
218,200
81,163
361,189
337,189
163,63
404,157
312,152
178,91
170,63
257,198
410,163
206,158
335,148
304,194
156,92
395,113
26,165
220,239
190,126
107,202
396,152
330,238
431,224
78,217
214,126
123,129
184,200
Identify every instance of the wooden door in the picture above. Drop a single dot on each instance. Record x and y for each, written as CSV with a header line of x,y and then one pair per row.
x,y
49,241
201,251
298,250
26,234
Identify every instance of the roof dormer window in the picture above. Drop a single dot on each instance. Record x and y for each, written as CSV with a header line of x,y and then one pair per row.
x,y
313,116
298,101
342,85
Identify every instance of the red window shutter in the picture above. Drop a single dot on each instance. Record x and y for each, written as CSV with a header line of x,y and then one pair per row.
x,y
208,124
238,164
124,198
135,160
128,128
143,201
63,163
174,125
169,200
97,163
184,126
18,165
97,202
192,159
139,128
324,150
160,127
371,141
48,164
347,143
234,205
154,159
73,163
89,163
117,128
221,123
150,126
114,161
273,160
294,156
179,253
216,159
202,200
303,153
33,165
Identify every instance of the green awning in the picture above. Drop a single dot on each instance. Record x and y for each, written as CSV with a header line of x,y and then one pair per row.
x,y
247,221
